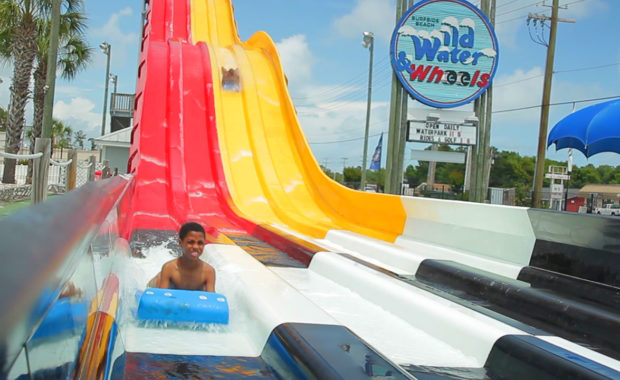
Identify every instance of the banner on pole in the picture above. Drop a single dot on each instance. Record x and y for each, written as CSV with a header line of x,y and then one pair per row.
x,y
375,164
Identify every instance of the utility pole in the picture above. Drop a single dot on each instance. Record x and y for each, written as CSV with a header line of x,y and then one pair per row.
x,y
43,144
544,111
369,42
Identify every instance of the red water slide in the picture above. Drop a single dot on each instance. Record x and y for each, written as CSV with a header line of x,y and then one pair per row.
x,y
174,152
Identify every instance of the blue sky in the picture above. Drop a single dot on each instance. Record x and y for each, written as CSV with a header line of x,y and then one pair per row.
x,y
320,46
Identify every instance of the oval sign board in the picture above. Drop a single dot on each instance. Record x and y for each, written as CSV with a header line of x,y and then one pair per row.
x,y
444,52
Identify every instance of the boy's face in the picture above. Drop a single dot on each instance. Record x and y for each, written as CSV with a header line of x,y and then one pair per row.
x,y
193,244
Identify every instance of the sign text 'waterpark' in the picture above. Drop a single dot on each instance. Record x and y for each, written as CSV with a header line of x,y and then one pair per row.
x,y
444,52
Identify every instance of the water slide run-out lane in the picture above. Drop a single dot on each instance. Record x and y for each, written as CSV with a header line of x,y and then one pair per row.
x,y
262,298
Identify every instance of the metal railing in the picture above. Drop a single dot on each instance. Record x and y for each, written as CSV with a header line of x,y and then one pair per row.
x,y
45,249
122,103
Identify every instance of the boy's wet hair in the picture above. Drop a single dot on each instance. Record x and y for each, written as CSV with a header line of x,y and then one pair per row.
x,y
191,226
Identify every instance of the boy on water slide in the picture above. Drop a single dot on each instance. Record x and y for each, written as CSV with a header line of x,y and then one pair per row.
x,y
187,272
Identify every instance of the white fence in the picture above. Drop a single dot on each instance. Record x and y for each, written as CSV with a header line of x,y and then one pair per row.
x,y
56,174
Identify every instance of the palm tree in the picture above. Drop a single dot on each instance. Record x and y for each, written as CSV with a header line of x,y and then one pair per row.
x,y
61,135
78,138
18,31
73,55
3,119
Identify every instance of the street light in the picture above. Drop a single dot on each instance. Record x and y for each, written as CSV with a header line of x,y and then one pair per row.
x,y
106,49
114,80
368,42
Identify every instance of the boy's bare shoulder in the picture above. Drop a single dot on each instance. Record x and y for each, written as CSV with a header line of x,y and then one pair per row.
x,y
207,268
169,265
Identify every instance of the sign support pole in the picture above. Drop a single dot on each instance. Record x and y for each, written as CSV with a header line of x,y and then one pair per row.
x,y
397,131
483,109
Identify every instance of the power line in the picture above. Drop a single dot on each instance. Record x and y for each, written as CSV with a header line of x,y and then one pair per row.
x,y
521,17
559,104
506,3
509,20
587,68
345,87
361,78
574,2
518,9
340,104
376,124
341,141
518,81
304,101
558,72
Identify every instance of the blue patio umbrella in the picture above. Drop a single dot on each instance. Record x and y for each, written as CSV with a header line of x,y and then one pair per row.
x,y
591,130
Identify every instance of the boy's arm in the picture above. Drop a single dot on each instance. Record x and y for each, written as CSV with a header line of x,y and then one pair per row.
x,y
209,278
164,278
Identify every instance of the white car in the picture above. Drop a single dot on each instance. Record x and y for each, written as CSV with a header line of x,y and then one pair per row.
x,y
609,209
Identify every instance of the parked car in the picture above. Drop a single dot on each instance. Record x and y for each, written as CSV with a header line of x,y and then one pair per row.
x,y
608,209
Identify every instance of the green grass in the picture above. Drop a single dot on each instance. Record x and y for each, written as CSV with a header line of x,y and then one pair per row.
x,y
7,208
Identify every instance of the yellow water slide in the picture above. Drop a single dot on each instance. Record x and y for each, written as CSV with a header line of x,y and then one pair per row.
x,y
272,176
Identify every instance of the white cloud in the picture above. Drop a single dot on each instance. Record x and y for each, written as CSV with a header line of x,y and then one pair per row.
x,y
520,89
297,59
79,114
112,33
126,12
70,91
375,16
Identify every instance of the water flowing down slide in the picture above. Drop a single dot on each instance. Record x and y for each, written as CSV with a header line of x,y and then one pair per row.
x,y
322,281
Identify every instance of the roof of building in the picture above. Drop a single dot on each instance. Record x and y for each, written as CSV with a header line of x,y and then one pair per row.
x,y
601,189
120,138
572,192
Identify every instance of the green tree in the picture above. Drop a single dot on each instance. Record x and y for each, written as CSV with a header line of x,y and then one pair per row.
x,y
607,173
73,55
18,30
376,176
413,176
352,175
78,138
511,170
585,175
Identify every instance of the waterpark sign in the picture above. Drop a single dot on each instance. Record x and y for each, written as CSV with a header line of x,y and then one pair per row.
x,y
436,132
444,52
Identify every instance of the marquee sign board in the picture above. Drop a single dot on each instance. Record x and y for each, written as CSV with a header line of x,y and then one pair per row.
x,y
444,52
440,132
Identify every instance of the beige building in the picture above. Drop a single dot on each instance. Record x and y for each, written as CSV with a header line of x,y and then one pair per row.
x,y
601,194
